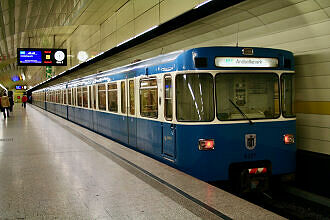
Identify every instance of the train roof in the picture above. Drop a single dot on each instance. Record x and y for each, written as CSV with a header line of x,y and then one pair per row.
x,y
188,60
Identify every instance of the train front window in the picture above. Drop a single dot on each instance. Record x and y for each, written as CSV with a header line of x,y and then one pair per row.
x,y
248,95
194,97
287,89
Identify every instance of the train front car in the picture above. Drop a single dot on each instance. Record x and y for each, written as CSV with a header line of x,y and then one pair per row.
x,y
235,115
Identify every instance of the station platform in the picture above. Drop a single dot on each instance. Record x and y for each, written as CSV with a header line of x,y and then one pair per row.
x,y
51,168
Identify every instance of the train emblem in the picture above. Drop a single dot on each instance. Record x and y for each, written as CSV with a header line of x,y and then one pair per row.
x,y
250,141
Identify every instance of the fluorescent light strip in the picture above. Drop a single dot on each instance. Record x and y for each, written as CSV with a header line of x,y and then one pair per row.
x,y
137,35
3,87
201,4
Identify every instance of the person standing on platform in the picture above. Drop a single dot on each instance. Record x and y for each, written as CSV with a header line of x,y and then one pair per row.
x,y
11,103
5,105
24,100
11,100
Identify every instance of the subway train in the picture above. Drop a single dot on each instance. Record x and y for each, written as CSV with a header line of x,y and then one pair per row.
x,y
216,113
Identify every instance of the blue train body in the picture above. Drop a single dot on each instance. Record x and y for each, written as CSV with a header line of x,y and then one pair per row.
x,y
176,142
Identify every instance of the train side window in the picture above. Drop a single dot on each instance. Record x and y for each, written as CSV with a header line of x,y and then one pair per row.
x,y
102,97
112,97
131,98
148,98
85,97
64,97
69,97
74,100
57,96
168,96
123,97
90,96
79,96
94,96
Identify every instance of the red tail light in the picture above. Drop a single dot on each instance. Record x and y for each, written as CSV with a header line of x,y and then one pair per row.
x,y
258,170
206,144
288,139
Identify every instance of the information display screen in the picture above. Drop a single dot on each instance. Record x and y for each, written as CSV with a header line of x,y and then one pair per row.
x,y
27,56
41,57
20,87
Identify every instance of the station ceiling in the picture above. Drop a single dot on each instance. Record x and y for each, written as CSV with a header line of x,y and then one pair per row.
x,y
43,24
54,23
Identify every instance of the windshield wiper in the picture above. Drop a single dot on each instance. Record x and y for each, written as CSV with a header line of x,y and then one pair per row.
x,y
240,111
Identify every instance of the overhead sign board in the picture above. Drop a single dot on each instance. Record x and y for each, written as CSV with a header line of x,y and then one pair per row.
x,y
41,57
246,62
20,87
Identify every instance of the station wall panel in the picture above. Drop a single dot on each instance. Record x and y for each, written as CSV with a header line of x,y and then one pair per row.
x,y
125,32
147,20
125,14
108,27
142,6
172,8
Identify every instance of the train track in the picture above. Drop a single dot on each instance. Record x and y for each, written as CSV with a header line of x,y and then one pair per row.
x,y
289,202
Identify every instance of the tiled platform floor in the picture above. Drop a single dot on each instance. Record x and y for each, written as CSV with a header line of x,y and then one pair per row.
x,y
53,169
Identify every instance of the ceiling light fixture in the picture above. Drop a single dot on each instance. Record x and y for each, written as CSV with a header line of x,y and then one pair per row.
x,y
82,56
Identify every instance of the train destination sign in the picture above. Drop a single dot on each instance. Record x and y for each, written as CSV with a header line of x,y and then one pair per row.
x,y
41,57
246,62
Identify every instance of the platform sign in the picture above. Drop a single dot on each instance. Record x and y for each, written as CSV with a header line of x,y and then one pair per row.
x,y
41,57
20,87
246,62
28,56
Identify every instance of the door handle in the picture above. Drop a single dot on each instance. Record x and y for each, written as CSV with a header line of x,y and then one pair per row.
x,y
172,129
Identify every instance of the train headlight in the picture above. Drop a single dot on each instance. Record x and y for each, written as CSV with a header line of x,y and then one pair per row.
x,y
206,144
288,139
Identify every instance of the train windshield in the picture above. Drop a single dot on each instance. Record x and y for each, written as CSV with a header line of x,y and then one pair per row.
x,y
249,95
194,97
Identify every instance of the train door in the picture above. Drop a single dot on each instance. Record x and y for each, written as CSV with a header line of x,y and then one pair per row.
x,y
169,128
131,120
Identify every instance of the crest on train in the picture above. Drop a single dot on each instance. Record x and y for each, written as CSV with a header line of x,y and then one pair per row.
x,y
250,141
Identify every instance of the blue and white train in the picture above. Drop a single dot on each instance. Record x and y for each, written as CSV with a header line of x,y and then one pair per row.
x,y
216,113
